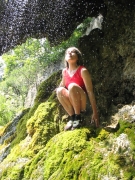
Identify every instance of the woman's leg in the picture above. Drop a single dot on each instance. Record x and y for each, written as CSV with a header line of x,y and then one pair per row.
x,y
74,101
63,97
77,98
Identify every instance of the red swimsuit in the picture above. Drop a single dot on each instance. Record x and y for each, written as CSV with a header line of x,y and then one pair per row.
x,y
76,78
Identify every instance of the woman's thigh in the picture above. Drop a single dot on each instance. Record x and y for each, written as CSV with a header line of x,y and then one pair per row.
x,y
76,89
78,93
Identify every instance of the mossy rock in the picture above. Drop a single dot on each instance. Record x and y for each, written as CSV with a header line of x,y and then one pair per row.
x,y
21,132
47,87
82,154
79,155
44,151
46,91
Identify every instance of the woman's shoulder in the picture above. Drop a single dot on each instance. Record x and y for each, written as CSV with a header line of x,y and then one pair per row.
x,y
64,70
84,71
83,68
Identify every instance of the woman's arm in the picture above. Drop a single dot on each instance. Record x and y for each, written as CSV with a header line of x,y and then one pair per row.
x,y
62,83
89,87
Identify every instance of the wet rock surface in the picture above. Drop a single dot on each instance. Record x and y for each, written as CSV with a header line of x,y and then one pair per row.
x,y
109,55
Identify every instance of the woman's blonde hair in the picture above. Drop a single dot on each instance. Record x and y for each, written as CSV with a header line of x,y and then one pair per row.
x,y
79,55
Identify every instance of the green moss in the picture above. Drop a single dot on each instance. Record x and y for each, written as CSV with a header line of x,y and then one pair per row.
x,y
65,153
1,130
72,157
34,169
123,126
128,175
47,87
45,92
15,173
102,134
129,129
21,132
86,159
12,166
43,125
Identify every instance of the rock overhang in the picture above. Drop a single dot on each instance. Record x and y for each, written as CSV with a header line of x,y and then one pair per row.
x,y
55,20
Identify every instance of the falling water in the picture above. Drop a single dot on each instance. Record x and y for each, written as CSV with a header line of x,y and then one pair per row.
x,y
55,20
2,66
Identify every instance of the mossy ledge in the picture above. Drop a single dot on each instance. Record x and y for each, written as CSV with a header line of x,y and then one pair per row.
x,y
41,150
79,155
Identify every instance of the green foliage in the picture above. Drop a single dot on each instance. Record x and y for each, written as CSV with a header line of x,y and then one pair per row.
x,y
24,54
22,69
5,110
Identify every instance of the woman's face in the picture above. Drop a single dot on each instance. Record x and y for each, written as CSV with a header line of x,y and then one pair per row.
x,y
71,55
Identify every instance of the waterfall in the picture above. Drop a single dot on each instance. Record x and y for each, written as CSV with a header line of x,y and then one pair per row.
x,y
2,66
9,132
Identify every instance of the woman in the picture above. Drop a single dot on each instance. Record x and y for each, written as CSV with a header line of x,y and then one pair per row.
x,y
72,92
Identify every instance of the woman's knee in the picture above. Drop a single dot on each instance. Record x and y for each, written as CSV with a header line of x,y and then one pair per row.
x,y
61,92
73,87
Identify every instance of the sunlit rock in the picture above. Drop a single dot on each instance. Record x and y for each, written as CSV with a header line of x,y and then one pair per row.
x,y
95,23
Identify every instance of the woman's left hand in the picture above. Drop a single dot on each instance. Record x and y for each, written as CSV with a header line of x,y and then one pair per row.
x,y
95,119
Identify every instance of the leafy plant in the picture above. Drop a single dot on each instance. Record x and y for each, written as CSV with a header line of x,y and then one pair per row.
x,y
6,113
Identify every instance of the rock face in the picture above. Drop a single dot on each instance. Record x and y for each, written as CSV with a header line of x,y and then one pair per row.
x,y
109,56
48,71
